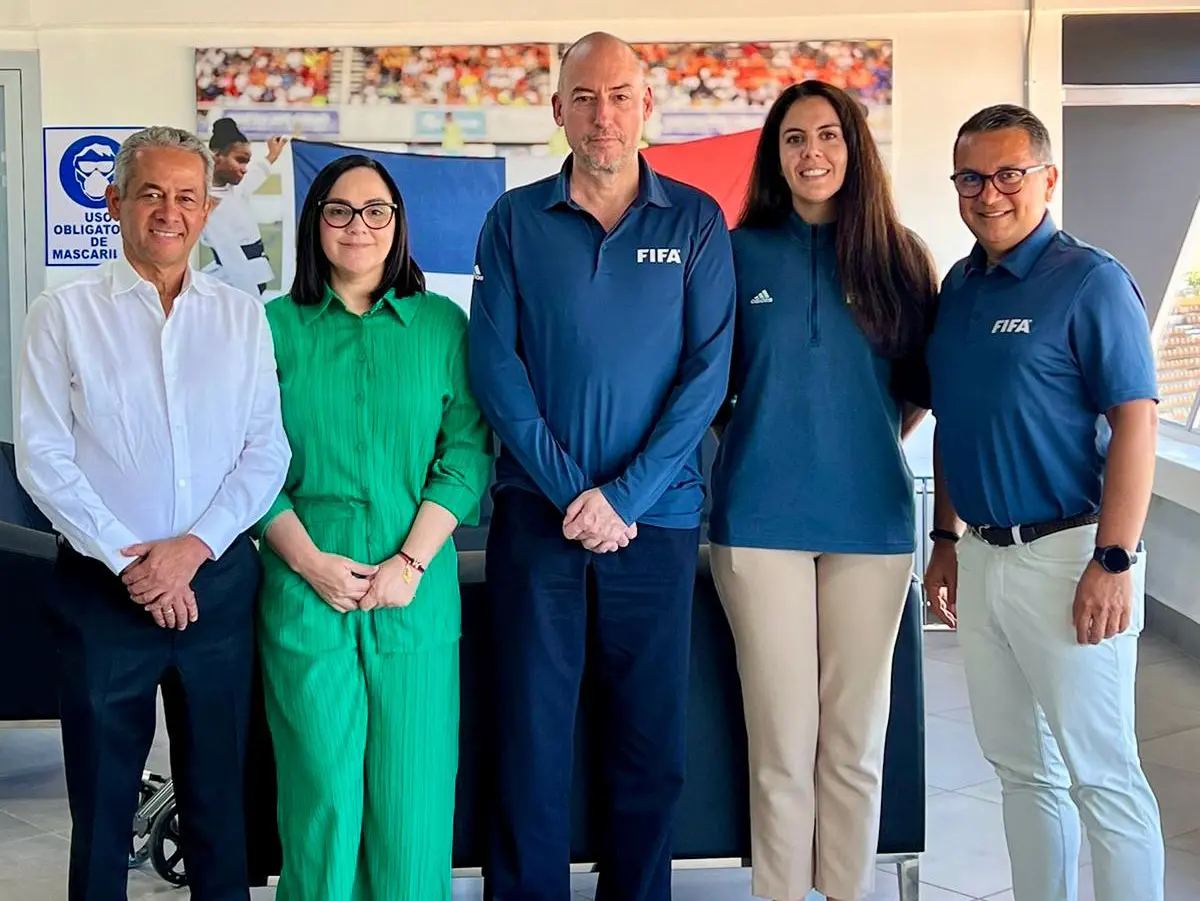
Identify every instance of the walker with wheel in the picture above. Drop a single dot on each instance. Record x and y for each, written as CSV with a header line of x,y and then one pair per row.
x,y
156,830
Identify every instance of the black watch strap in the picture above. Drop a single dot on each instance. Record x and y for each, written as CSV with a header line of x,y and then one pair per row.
x,y
943,535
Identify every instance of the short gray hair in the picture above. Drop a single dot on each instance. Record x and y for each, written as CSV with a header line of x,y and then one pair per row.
x,y
158,136
1007,115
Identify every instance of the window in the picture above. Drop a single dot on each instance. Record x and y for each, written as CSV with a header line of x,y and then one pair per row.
x,y
1177,336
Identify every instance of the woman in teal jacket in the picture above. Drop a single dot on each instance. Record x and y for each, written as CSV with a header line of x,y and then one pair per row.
x,y
812,525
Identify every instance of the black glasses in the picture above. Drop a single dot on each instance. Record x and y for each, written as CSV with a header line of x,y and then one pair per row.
x,y
1007,181
374,215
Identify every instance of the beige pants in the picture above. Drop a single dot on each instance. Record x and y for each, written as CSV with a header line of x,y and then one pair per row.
x,y
815,634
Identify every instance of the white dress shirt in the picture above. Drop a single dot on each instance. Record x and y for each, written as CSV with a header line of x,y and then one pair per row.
x,y
134,426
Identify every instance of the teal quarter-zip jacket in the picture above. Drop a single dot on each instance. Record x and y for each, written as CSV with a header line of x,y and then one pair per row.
x,y
810,458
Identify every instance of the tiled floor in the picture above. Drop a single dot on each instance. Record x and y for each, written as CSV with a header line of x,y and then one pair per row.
x,y
966,857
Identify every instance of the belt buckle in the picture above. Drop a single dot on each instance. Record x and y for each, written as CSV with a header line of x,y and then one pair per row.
x,y
991,535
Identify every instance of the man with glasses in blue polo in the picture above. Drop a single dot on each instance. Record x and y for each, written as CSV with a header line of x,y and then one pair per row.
x,y
1045,396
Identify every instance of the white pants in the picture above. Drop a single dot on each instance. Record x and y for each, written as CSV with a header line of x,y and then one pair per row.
x,y
815,635
1055,719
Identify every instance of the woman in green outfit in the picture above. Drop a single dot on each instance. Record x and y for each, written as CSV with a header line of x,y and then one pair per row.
x,y
360,607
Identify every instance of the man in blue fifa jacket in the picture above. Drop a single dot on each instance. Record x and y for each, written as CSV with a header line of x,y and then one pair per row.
x,y
600,338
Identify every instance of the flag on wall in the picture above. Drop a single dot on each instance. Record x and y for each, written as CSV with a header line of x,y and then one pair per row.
x,y
447,198
720,166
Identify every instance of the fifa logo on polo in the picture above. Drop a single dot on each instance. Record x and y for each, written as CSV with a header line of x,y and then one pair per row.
x,y
659,255
1012,326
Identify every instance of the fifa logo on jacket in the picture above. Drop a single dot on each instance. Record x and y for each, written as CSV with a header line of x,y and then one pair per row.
x,y
1012,326
658,255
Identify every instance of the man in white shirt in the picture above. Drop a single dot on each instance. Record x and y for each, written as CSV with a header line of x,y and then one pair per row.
x,y
149,433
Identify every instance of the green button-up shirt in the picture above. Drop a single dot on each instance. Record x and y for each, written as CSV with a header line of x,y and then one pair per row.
x,y
380,418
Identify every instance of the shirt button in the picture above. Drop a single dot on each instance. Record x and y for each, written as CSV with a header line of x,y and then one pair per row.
x,y
358,398
362,356
183,483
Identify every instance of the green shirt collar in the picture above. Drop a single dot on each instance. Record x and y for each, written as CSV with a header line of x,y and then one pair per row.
x,y
404,307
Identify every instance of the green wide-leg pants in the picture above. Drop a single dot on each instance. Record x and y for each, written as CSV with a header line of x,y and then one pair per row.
x,y
366,751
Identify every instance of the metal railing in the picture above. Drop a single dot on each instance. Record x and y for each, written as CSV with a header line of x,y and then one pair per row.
x,y
923,498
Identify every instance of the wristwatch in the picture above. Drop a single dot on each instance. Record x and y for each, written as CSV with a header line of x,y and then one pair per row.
x,y
944,535
1114,558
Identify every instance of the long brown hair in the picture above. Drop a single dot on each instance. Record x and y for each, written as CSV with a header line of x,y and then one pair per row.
x,y
885,269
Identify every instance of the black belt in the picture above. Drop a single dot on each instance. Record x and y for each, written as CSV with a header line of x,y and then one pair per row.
x,y
250,251
1007,536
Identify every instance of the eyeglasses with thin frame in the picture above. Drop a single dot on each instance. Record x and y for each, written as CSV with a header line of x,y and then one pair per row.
x,y
1009,180
338,214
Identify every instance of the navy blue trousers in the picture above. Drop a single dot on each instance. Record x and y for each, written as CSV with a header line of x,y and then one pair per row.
x,y
113,658
554,605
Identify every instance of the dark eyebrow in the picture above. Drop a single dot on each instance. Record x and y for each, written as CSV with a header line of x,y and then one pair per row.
x,y
818,128
368,203
999,168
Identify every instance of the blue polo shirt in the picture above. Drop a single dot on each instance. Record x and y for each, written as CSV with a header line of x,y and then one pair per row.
x,y
1025,359
600,359
810,458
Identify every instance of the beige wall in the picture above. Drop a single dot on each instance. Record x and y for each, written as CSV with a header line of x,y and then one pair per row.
x,y
126,62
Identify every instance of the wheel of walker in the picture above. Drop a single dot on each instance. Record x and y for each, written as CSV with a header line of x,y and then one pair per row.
x,y
166,854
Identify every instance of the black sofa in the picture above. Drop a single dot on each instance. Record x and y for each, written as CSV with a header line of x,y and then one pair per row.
x,y
27,548
713,816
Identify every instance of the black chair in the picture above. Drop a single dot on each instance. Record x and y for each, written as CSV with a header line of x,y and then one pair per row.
x,y
16,508
27,653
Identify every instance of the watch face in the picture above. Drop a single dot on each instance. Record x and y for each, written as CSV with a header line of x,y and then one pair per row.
x,y
1116,559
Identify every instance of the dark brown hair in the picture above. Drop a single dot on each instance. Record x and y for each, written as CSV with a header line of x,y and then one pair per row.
x,y
400,271
884,268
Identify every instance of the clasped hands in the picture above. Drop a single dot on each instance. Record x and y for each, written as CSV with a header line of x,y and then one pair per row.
x,y
160,578
591,520
347,585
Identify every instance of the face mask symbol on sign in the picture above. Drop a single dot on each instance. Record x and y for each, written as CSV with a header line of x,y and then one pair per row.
x,y
94,166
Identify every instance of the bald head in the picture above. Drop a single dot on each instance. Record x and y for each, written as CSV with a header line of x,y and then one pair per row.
x,y
599,46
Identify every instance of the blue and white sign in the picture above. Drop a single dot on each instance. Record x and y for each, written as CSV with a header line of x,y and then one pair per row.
x,y
80,164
